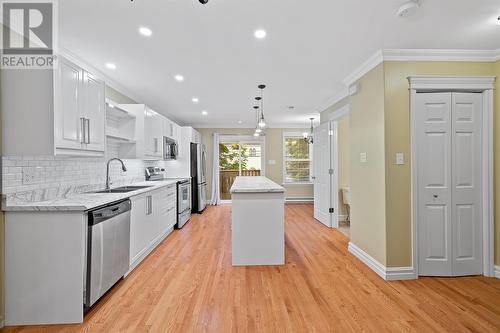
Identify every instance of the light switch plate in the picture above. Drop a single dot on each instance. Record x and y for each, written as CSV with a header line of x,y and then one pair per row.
x,y
271,162
400,159
363,158
32,175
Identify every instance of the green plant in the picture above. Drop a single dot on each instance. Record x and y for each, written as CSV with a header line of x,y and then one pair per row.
x,y
229,156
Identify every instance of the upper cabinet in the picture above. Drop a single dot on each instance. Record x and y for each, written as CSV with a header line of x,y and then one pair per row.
x,y
153,134
79,111
53,112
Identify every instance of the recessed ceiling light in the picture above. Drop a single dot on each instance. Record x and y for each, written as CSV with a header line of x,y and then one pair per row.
x,y
195,99
179,78
110,65
240,122
145,31
260,34
204,113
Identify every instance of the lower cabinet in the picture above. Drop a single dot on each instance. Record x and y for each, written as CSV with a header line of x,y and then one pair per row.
x,y
153,215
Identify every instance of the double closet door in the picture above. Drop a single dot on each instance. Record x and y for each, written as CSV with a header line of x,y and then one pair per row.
x,y
449,160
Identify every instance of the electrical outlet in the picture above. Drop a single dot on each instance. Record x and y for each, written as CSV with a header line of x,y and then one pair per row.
x,y
400,159
363,158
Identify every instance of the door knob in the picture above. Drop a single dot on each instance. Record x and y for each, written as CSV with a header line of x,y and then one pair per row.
x,y
435,196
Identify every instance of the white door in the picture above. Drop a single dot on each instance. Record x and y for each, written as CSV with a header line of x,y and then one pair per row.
x,y
449,175
67,110
322,177
94,112
467,112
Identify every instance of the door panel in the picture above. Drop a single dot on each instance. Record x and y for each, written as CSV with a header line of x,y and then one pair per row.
x,y
434,193
94,111
467,189
322,177
67,113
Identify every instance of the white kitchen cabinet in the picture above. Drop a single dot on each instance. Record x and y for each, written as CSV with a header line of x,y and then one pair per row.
x,y
153,134
165,209
94,111
53,112
68,119
152,217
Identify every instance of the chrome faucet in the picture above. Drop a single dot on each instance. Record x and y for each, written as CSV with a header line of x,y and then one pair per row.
x,y
107,170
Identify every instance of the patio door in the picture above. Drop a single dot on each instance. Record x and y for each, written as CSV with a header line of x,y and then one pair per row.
x,y
238,158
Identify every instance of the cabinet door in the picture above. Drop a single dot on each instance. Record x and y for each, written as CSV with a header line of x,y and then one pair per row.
x,y
152,134
94,104
68,121
165,209
138,232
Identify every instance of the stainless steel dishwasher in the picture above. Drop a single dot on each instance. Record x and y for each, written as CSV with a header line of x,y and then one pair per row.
x,y
108,249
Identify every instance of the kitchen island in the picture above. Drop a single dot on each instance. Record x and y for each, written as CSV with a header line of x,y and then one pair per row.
x,y
258,226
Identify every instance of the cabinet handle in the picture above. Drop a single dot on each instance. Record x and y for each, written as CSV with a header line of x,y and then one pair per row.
x,y
82,130
155,142
88,129
149,205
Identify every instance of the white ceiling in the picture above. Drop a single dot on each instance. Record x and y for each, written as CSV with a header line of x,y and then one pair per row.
x,y
311,46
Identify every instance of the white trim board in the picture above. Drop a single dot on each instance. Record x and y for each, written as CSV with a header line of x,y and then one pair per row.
x,y
386,273
292,200
474,84
342,112
497,272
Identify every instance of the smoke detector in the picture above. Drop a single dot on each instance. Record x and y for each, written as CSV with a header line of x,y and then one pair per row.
x,y
408,8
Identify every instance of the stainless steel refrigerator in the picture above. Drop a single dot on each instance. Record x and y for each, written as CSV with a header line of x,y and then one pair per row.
x,y
198,176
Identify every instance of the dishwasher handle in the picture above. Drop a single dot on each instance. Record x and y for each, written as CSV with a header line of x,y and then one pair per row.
x,y
100,215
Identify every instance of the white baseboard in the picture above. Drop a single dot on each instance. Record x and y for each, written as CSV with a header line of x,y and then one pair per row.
x,y
299,200
386,273
497,272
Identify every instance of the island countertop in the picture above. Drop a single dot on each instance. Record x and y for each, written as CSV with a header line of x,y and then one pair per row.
x,y
245,184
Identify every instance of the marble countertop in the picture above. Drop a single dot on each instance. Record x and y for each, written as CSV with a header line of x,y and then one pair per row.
x,y
255,185
87,201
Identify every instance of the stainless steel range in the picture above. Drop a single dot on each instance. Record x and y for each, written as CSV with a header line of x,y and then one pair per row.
x,y
183,193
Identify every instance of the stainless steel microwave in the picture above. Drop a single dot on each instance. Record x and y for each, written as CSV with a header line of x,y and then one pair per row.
x,y
169,149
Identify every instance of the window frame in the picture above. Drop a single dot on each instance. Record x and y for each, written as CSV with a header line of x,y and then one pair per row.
x,y
297,135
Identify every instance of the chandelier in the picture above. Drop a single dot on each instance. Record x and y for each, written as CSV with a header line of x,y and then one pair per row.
x,y
309,137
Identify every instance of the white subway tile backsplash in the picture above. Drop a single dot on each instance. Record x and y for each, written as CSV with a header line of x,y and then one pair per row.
x,y
39,178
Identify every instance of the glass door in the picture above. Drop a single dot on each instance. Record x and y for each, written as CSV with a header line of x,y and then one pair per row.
x,y
238,159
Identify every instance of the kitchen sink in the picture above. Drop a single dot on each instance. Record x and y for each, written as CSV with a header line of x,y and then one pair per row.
x,y
123,189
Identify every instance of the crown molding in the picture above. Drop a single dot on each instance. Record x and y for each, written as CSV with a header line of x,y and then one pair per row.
x,y
440,55
376,59
409,55
333,100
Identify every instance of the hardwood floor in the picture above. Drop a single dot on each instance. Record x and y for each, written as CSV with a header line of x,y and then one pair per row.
x,y
188,285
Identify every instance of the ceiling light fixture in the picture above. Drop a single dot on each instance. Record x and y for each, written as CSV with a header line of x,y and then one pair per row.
x,y
145,31
110,65
260,34
204,113
262,122
179,78
195,99
240,122
309,137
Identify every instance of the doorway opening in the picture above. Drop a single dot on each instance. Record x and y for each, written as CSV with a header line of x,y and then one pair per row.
x,y
344,186
238,158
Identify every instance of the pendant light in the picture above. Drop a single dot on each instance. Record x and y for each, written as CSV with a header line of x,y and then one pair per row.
x,y
309,137
257,129
262,121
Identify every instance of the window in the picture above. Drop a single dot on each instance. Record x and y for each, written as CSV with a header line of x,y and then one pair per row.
x,y
296,159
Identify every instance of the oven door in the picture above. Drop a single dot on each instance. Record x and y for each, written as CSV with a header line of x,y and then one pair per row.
x,y
184,197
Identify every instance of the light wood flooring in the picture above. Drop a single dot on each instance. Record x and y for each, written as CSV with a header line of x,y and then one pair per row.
x,y
188,285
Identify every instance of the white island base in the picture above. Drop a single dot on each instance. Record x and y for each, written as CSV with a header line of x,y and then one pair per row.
x,y
258,222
